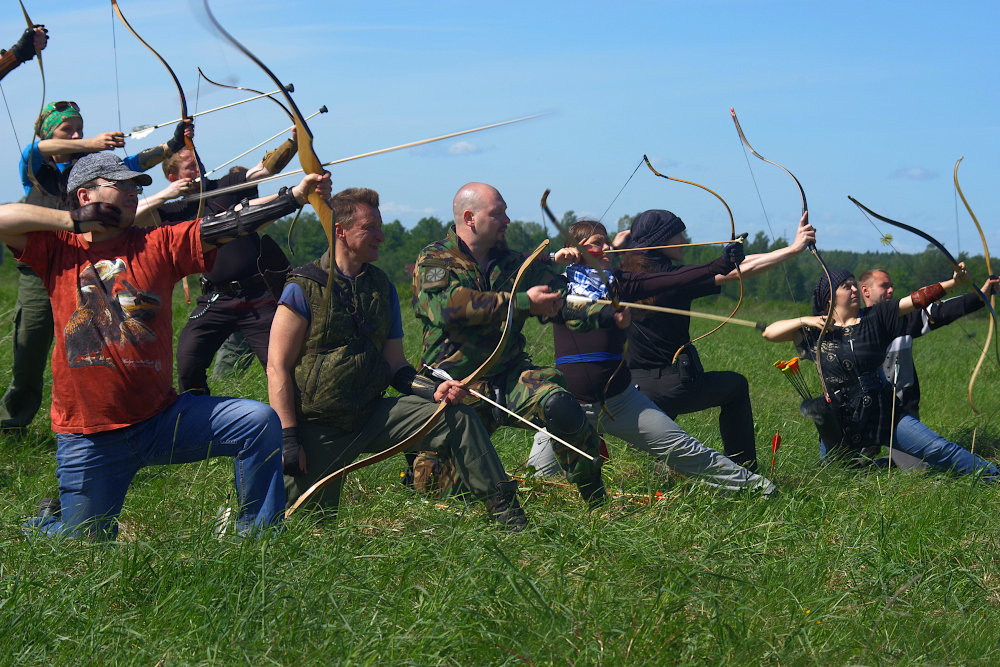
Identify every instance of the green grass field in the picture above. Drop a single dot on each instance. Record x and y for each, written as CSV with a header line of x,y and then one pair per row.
x,y
844,567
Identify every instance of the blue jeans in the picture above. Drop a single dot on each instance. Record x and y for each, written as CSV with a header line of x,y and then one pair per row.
x,y
914,438
95,470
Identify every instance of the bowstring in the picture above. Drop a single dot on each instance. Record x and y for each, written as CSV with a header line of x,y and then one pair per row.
x,y
13,127
887,240
114,47
767,219
634,171
958,228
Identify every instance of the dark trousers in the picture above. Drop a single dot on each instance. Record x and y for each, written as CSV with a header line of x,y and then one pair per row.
x,y
724,389
215,316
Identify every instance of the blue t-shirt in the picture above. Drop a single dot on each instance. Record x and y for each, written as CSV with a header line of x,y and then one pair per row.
x,y
293,297
37,159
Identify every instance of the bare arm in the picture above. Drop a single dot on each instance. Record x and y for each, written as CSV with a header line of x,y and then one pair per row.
x,y
787,330
288,335
102,142
759,263
906,305
147,213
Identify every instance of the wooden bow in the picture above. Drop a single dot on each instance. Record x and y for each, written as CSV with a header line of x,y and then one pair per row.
x,y
188,142
311,164
289,88
732,227
989,270
419,434
951,260
828,322
34,133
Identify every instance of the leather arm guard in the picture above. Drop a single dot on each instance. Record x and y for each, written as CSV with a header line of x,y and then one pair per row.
x,y
925,296
224,227
407,381
278,159
8,61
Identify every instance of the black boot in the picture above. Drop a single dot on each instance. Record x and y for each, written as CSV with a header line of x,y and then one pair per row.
x,y
49,507
592,491
504,507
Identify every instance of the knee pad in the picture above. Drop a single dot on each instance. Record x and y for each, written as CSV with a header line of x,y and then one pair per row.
x,y
563,414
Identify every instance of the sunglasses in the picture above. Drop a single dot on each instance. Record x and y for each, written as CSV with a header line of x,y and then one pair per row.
x,y
124,187
62,106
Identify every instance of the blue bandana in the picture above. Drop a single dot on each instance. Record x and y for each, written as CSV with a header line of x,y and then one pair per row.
x,y
585,281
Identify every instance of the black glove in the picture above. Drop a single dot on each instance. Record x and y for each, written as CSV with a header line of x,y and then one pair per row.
x,y
290,452
734,253
104,213
176,142
24,49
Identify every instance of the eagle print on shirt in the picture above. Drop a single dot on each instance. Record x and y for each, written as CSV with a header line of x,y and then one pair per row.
x,y
110,311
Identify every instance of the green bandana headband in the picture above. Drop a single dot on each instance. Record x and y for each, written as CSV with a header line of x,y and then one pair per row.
x,y
53,115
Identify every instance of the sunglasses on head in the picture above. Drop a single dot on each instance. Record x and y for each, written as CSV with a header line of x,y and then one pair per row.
x,y
122,186
62,106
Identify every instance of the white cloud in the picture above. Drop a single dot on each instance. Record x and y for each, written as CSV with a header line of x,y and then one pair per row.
x,y
914,174
392,210
463,148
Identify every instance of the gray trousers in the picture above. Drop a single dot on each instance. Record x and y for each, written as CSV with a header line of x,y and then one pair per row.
x,y
645,427
459,434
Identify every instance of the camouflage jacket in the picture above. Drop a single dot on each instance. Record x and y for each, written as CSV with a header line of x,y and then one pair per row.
x,y
462,308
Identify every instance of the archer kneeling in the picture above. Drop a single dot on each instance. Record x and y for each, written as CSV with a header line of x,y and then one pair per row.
x,y
336,345
859,417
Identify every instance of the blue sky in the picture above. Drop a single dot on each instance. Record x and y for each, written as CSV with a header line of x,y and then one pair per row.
x,y
873,99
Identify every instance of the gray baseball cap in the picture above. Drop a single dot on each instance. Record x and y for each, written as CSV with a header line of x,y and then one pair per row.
x,y
104,165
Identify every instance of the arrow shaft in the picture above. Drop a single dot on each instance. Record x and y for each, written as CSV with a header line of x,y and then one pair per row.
x,y
575,298
253,148
202,113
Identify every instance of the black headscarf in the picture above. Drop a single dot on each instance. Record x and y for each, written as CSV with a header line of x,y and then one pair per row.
x,y
654,227
821,293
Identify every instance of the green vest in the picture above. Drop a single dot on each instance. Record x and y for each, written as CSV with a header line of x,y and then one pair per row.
x,y
341,370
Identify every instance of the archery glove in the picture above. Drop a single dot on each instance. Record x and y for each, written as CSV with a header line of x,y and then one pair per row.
x,y
24,49
104,213
176,142
290,452
734,253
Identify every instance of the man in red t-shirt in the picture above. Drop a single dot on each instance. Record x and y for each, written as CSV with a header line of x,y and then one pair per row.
x,y
114,409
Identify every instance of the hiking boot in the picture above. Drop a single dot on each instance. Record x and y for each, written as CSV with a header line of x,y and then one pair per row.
x,y
49,507
505,509
592,491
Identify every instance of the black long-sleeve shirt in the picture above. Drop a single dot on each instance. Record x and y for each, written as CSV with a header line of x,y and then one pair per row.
x,y
236,260
587,380
916,324
653,338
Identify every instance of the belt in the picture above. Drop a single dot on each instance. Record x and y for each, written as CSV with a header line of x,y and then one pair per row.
x,y
868,383
235,287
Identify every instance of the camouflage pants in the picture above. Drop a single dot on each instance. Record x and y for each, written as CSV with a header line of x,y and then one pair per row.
x,y
458,433
525,389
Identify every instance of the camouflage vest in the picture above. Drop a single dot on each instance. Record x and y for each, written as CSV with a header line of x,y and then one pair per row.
x,y
341,370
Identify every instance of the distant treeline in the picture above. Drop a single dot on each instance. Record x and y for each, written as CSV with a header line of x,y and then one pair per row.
x,y
792,280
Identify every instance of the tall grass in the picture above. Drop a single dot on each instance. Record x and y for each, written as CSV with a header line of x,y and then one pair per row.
x,y
844,567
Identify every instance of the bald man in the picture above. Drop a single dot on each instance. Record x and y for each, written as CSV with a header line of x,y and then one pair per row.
x,y
461,289
876,286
